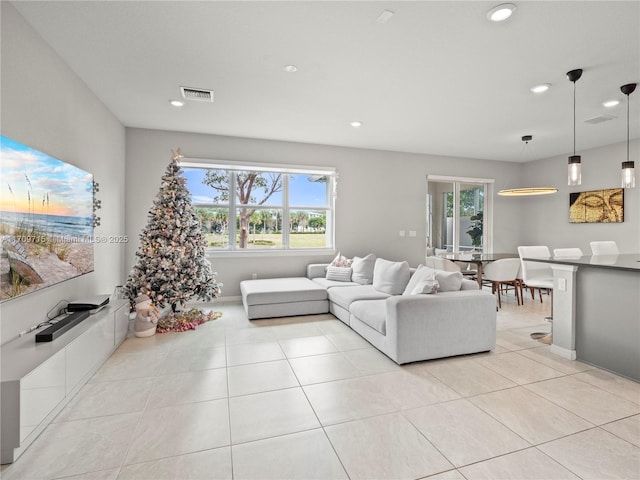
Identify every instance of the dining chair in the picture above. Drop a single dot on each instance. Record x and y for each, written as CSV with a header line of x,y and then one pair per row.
x,y
537,275
467,269
439,263
523,287
500,273
607,247
521,284
572,252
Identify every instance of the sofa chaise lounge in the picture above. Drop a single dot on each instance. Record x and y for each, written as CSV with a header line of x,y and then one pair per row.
x,y
408,314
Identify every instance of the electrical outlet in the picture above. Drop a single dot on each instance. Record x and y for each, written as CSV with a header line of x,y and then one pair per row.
x,y
412,233
254,276
402,232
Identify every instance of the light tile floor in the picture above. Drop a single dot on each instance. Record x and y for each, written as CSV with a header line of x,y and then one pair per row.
x,y
307,398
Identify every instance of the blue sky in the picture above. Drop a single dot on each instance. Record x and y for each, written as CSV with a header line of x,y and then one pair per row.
x,y
302,192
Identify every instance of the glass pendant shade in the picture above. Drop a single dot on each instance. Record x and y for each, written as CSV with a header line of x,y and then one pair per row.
x,y
574,176
628,175
574,168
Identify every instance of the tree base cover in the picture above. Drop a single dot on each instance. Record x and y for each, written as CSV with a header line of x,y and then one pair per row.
x,y
182,321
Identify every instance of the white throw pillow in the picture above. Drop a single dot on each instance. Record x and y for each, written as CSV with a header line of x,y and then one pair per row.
x,y
390,277
422,273
362,269
425,287
339,274
449,281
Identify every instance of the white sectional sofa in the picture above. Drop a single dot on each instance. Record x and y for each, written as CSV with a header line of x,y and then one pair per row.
x,y
385,308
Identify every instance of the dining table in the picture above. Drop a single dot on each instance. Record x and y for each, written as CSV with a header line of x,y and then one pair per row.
x,y
477,259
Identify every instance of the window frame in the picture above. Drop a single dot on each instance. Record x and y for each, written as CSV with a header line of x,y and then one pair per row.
x,y
233,205
488,187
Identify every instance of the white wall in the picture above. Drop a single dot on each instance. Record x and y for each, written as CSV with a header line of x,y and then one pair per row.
x,y
379,194
546,222
47,107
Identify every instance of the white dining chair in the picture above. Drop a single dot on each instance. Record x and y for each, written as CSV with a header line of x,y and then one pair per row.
x,y
439,263
607,247
537,275
500,273
572,252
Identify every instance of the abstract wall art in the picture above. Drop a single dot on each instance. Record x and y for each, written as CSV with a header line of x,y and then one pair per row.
x,y
597,206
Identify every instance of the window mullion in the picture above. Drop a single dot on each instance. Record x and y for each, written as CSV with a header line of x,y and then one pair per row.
x,y
329,220
232,210
286,218
456,217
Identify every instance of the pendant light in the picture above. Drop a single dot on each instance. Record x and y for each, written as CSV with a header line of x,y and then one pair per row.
x,y
628,170
574,166
526,191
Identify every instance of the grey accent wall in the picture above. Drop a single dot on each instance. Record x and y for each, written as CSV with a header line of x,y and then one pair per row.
x,y
379,194
546,222
46,106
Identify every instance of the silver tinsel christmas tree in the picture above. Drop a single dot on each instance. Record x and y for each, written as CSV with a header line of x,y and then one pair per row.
x,y
171,266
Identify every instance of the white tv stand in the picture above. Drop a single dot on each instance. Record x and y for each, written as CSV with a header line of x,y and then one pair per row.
x,y
39,379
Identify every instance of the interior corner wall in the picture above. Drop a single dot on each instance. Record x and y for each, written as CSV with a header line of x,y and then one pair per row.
x,y
379,194
47,107
547,221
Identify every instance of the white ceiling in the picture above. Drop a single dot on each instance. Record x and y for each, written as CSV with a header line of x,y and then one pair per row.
x,y
437,78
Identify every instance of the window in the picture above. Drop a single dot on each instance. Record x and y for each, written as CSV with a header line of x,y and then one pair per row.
x,y
262,208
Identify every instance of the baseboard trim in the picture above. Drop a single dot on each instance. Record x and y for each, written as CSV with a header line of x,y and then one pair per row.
x,y
563,352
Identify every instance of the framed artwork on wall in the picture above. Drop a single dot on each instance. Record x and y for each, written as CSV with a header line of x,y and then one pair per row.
x,y
597,206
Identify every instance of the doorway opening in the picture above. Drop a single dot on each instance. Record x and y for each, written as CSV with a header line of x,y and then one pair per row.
x,y
459,214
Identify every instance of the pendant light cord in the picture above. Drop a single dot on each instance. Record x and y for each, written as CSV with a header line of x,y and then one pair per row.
x,y
574,118
628,127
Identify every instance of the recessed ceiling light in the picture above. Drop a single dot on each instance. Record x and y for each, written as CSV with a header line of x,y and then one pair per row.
x,y
176,103
611,103
290,68
356,124
501,12
540,88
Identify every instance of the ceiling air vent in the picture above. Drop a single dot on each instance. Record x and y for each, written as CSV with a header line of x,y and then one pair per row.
x,y
197,94
599,119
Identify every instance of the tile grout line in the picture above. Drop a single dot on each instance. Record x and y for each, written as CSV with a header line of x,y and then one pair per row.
x,y
226,369
322,426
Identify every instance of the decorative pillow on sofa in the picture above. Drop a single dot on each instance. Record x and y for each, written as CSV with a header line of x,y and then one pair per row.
x,y
421,274
390,277
362,269
425,287
338,274
449,281
341,261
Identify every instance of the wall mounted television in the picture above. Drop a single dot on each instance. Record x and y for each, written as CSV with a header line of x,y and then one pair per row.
x,y
46,220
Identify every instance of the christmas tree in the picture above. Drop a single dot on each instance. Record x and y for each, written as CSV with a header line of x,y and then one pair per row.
x,y
171,267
